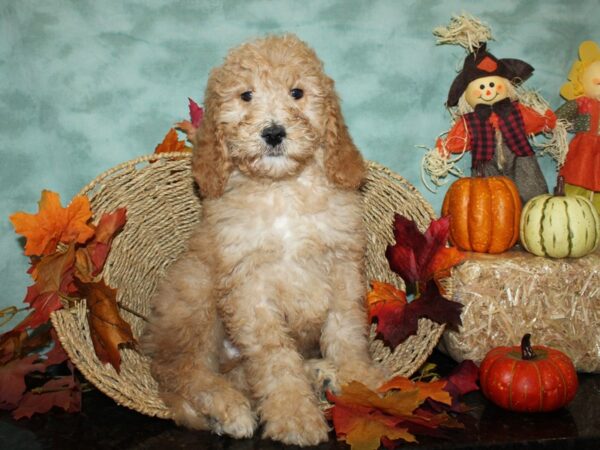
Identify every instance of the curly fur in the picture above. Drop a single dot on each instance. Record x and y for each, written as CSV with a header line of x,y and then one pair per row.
x,y
272,284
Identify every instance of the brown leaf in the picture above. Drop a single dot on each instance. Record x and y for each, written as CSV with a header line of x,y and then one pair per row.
x,y
17,344
53,275
108,329
90,259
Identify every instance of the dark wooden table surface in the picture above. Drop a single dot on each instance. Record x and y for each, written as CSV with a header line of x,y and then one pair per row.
x,y
103,424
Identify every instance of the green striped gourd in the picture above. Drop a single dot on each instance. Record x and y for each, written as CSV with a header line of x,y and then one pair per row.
x,y
560,226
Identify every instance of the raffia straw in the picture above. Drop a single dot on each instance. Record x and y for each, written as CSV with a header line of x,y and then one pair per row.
x,y
437,164
508,295
557,145
163,209
464,30
531,98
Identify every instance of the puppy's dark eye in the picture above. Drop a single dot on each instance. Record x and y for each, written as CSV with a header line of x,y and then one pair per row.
x,y
246,96
297,93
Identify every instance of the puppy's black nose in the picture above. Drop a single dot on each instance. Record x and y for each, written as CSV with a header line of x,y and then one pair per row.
x,y
273,135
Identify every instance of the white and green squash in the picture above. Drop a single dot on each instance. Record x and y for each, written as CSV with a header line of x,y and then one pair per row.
x,y
559,226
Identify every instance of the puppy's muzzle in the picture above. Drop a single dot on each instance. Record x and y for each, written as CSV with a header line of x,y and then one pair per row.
x,y
273,135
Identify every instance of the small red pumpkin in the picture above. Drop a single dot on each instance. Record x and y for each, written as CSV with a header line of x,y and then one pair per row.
x,y
528,379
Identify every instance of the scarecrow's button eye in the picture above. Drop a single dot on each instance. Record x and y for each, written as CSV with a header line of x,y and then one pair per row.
x,y
482,86
492,84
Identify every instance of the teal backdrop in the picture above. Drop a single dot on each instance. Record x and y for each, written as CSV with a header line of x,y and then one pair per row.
x,y
85,85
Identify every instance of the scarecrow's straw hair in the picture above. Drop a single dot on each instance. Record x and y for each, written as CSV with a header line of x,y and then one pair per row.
x,y
464,30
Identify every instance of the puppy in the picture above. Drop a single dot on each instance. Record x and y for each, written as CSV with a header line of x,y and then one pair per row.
x,y
271,288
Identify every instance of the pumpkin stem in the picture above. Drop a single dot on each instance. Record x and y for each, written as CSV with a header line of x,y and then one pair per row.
x,y
527,352
559,190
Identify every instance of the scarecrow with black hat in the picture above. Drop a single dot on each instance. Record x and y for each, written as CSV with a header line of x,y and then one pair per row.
x,y
491,120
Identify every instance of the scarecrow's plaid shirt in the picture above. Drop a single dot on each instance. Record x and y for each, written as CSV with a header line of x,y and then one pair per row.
x,y
481,127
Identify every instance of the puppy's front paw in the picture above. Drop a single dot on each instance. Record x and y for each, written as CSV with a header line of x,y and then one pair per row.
x,y
366,373
229,412
322,375
295,421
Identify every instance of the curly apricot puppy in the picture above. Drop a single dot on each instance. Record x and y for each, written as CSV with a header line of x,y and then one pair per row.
x,y
275,270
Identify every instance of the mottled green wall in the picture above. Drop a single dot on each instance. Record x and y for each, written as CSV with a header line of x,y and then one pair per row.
x,y
85,84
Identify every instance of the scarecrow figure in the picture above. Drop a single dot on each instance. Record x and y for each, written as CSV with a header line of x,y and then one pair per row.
x,y
581,169
493,116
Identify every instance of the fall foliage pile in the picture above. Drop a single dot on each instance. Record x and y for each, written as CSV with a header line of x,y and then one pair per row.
x,y
401,409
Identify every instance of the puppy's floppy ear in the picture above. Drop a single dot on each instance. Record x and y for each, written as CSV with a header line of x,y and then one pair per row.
x,y
344,164
210,164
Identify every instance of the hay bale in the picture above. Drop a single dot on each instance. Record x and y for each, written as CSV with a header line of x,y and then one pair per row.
x,y
508,295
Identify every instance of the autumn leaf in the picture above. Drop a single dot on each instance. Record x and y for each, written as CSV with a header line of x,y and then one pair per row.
x,y
53,224
62,392
189,127
395,403
12,379
366,419
108,330
18,344
367,431
53,275
362,417
462,380
171,143
382,297
419,257
90,259
432,389
397,319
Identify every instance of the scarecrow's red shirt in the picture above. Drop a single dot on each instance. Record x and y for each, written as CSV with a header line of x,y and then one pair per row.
x,y
458,140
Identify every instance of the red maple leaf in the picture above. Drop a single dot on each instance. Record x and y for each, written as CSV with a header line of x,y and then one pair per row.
x,y
189,127
419,257
398,319
12,379
62,392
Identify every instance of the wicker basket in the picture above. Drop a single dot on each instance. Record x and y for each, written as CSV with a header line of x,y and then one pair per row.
x,y
162,209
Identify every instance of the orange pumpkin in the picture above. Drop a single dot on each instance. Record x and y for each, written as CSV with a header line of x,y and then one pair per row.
x,y
485,214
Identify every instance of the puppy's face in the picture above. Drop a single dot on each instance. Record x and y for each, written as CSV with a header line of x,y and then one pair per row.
x,y
269,101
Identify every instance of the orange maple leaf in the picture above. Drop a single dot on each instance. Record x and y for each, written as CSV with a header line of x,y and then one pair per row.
x,y
171,143
53,224
108,330
432,389
365,431
363,418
